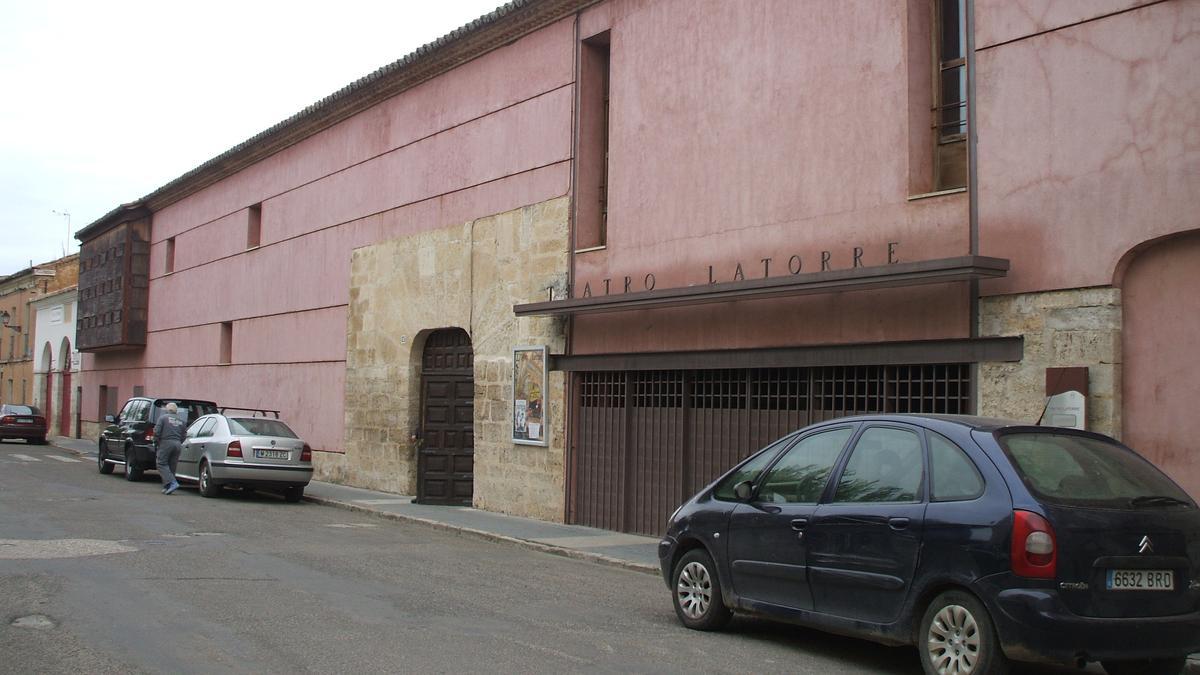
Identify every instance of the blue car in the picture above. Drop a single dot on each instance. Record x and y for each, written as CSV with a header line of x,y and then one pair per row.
x,y
980,541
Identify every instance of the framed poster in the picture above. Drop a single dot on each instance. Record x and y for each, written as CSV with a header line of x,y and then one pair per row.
x,y
529,396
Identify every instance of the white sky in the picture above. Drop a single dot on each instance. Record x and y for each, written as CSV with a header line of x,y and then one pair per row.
x,y
103,102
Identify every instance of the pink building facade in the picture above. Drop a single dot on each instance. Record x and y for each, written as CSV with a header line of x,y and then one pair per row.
x,y
721,220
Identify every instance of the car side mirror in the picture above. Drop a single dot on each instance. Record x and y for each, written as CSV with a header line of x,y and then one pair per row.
x,y
743,490
110,419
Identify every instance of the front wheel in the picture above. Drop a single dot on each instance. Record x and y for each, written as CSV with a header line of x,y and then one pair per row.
x,y
957,637
102,463
697,597
133,472
208,487
1170,666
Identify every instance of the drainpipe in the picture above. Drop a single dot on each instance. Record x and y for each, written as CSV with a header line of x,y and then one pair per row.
x,y
972,191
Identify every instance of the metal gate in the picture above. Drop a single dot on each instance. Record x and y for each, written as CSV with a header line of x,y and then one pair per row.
x,y
446,460
650,439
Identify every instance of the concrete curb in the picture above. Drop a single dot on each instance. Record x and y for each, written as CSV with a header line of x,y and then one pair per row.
x,y
490,536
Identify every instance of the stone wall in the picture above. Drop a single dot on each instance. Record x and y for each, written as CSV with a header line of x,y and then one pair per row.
x,y
468,276
1080,327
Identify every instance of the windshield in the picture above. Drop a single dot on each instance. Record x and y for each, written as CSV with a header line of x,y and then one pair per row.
x,y
259,426
20,410
1081,471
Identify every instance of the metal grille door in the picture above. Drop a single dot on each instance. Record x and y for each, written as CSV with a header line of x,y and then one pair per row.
x,y
649,439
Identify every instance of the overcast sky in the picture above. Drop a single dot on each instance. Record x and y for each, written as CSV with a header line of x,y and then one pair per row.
x,y
103,102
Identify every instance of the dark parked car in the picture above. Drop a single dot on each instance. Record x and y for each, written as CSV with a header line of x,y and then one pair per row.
x,y
129,437
977,540
22,421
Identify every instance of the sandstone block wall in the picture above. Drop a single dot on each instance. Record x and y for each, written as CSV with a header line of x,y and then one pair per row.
x,y
1080,327
468,276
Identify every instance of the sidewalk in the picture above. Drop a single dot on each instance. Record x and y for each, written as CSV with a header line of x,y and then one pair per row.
x,y
573,541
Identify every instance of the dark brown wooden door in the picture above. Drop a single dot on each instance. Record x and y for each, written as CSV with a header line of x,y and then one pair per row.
x,y
446,459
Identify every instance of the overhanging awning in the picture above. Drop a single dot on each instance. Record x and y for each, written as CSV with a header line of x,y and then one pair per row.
x,y
895,275
957,350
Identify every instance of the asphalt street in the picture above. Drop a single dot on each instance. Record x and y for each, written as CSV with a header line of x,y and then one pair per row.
x,y
100,575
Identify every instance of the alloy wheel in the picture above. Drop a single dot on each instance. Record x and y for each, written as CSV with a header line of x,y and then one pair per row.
x,y
695,590
953,642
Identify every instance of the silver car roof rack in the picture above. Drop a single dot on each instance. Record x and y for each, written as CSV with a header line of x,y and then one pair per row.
x,y
256,411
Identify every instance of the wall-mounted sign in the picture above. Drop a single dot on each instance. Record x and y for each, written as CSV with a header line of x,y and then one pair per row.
x,y
1066,405
529,396
54,315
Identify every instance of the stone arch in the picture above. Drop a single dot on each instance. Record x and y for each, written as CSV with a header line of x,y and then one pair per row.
x,y
1161,308
45,362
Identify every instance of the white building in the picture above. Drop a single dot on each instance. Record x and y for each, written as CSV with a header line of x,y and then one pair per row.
x,y
55,359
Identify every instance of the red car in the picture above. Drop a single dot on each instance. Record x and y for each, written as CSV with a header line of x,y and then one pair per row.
x,y
22,421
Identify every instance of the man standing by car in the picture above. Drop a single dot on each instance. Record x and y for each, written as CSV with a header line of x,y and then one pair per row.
x,y
168,439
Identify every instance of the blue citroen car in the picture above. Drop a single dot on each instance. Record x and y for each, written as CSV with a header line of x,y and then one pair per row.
x,y
979,541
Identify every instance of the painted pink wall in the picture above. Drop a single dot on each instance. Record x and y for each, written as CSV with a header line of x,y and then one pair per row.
x,y
1161,298
490,136
1089,138
742,131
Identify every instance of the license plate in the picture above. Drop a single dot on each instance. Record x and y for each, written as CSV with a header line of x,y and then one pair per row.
x,y
24,420
271,454
1141,580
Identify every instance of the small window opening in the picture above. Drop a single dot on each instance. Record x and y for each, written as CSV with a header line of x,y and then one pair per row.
x,y
170,265
950,96
591,207
254,227
226,342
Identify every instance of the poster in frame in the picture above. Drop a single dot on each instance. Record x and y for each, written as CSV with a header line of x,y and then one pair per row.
x,y
529,414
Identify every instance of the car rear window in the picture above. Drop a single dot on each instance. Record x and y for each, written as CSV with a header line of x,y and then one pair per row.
x,y
1078,470
259,426
188,410
21,410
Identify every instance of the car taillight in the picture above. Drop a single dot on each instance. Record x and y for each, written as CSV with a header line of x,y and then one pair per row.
x,y
306,454
7,419
1034,549
150,434
234,449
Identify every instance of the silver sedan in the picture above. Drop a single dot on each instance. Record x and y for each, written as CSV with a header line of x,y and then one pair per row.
x,y
245,451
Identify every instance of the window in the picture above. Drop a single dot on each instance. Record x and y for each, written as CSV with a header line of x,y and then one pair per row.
x,y
226,355
206,429
801,475
259,426
1083,471
591,203
950,95
954,475
750,470
254,226
886,466
101,400
170,264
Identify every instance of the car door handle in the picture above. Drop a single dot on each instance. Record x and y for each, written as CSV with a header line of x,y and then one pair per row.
x,y
898,523
799,524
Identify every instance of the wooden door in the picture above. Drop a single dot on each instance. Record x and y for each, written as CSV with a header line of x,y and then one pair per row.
x,y
446,459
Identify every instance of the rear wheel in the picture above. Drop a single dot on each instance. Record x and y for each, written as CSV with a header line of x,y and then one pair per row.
x,y
102,462
208,487
1171,666
697,597
957,637
293,493
132,471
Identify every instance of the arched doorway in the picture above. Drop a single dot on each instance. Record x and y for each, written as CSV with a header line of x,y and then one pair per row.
x,y
64,406
1160,292
446,454
46,367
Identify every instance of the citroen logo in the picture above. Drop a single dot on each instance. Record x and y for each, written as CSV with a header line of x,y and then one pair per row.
x,y
1145,546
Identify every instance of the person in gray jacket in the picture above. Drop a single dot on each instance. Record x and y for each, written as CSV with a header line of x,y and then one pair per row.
x,y
168,441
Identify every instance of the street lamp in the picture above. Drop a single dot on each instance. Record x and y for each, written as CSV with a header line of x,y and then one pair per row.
x,y
5,317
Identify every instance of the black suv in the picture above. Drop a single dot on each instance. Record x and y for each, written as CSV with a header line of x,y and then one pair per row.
x,y
129,437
